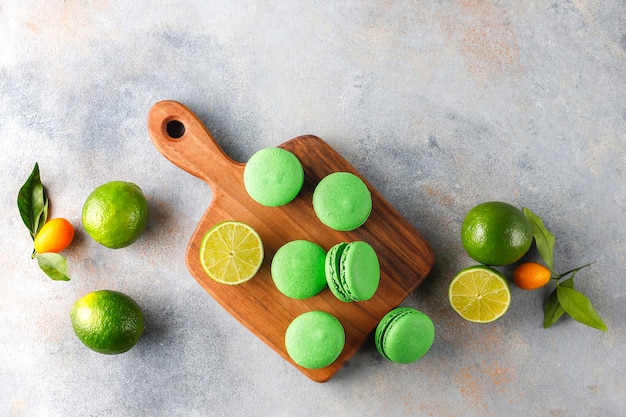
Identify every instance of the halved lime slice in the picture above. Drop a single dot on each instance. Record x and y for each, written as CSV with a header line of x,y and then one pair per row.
x,y
231,252
480,294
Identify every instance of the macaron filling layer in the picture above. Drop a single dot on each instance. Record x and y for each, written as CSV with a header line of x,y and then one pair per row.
x,y
273,177
333,275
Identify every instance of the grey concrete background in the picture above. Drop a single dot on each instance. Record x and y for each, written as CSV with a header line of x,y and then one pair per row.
x,y
441,105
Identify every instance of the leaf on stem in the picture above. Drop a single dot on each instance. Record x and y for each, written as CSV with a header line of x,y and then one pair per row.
x,y
544,239
577,305
553,310
32,202
54,265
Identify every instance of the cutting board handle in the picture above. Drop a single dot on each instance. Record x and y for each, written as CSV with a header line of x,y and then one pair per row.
x,y
184,139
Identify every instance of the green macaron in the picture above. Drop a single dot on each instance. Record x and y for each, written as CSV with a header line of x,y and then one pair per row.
x,y
404,335
273,177
342,201
298,269
315,339
352,271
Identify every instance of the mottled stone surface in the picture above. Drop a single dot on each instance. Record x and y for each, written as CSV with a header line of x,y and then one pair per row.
x,y
441,105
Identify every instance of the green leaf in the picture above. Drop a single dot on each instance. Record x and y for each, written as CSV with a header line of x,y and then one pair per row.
x,y
54,265
544,239
553,310
32,202
577,305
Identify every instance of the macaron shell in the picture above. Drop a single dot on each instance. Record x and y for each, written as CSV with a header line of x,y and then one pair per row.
x,y
315,339
273,177
297,269
342,201
360,271
404,335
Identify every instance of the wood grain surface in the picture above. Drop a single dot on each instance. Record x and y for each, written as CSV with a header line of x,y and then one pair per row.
x,y
405,257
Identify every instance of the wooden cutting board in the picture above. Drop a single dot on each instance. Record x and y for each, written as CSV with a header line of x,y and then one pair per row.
x,y
405,257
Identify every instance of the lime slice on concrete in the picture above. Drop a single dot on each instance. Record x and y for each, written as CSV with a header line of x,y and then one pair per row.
x,y
480,294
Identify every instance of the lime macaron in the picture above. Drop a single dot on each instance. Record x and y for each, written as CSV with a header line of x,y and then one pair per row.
x,y
404,335
352,271
315,339
298,269
273,177
342,201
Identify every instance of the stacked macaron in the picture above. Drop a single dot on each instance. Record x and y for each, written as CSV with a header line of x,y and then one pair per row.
x,y
404,335
352,271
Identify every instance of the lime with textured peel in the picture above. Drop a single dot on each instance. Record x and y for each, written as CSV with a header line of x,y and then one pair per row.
x,y
479,294
107,321
496,233
115,214
231,252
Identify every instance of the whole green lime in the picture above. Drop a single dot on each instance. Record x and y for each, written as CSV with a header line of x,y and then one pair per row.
x,y
115,214
496,233
107,321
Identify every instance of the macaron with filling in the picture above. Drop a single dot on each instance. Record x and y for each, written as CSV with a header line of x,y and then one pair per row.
x,y
404,335
273,177
315,339
297,269
352,271
342,201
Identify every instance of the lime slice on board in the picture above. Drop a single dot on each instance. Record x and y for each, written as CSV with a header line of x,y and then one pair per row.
x,y
479,294
231,252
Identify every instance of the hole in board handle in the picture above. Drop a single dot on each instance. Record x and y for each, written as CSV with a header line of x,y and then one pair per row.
x,y
175,129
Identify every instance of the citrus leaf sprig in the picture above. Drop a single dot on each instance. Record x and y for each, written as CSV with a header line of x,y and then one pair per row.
x,y
564,298
32,202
